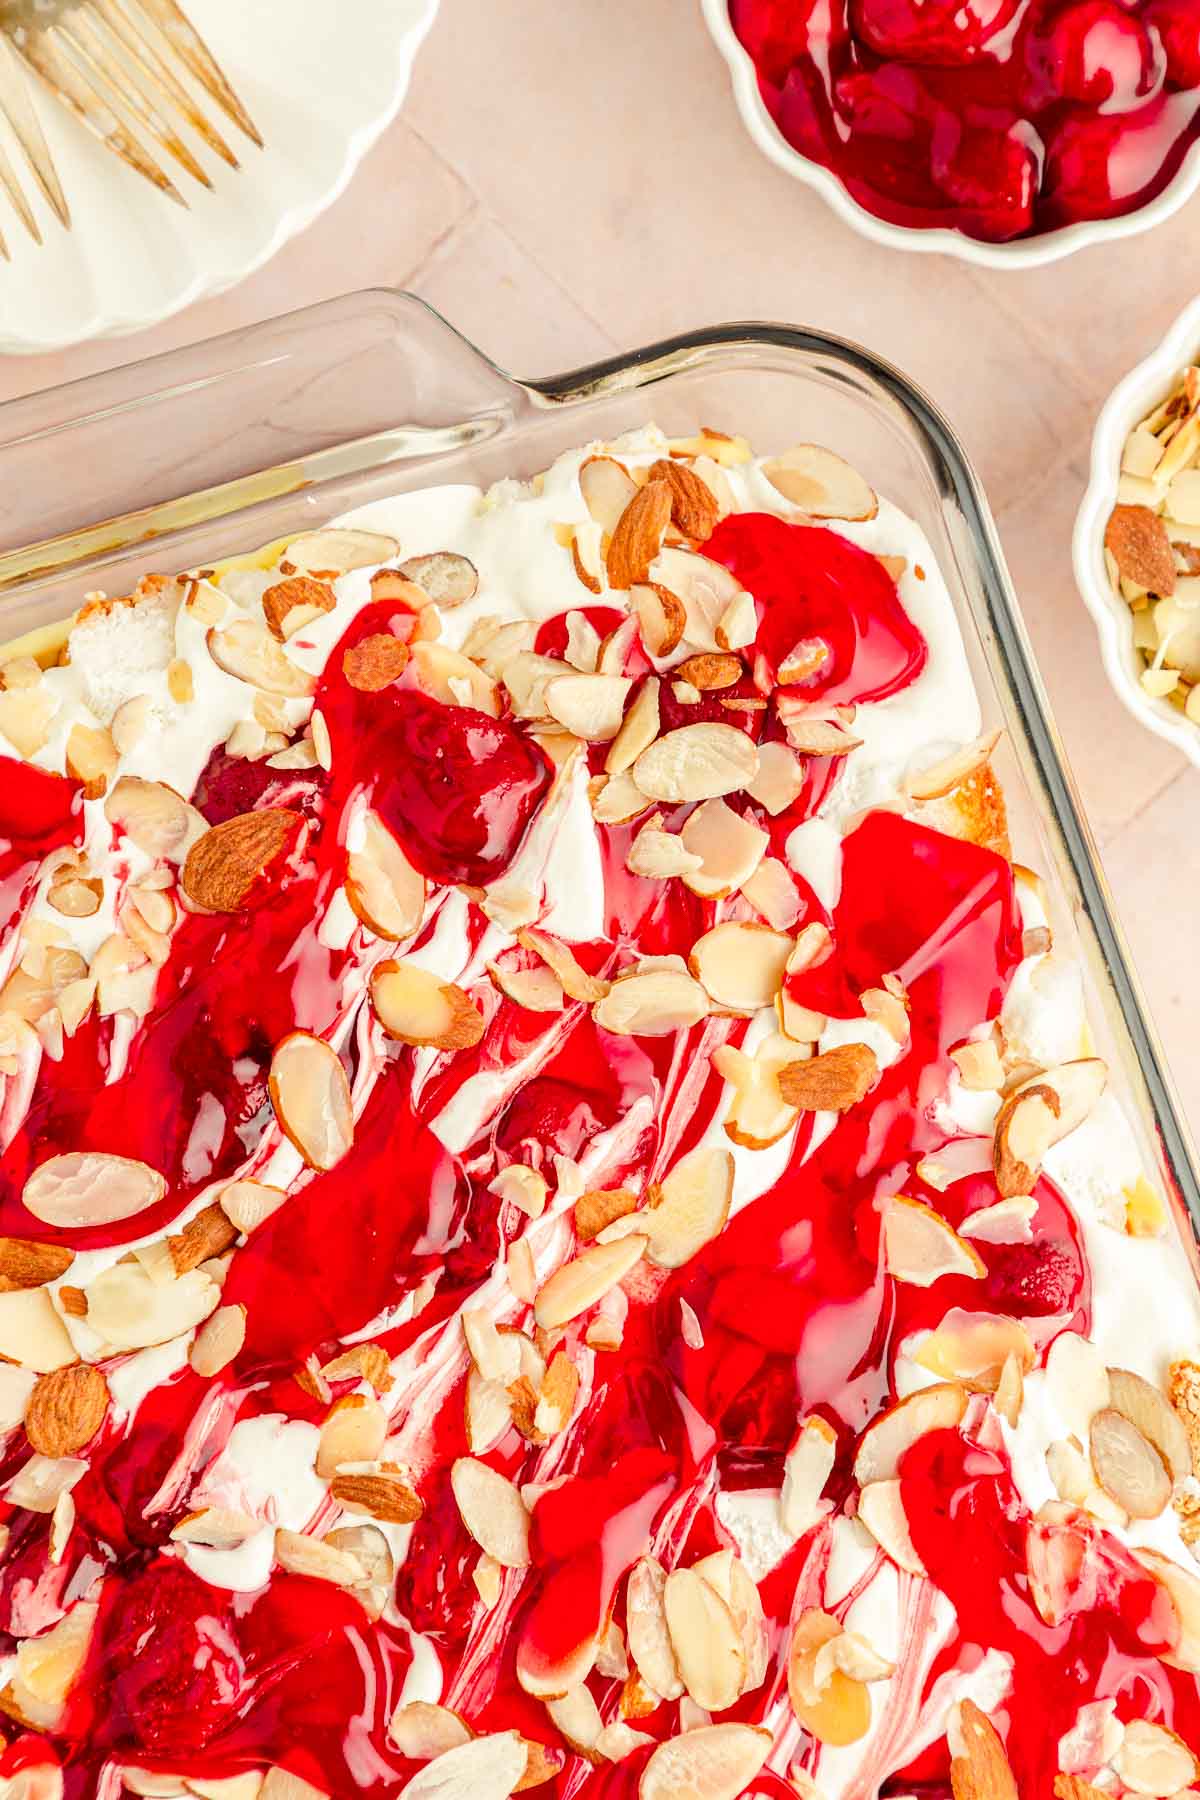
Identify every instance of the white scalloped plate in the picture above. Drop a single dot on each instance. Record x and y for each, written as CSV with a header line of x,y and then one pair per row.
x,y
1022,253
1137,395
321,82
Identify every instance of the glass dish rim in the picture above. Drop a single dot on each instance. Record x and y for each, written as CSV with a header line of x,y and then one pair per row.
x,y
1010,656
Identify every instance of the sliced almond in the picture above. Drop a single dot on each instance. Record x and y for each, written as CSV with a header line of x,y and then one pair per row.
x,y
772,893
66,1409
697,762
920,1247
729,847
973,1348
226,865
1128,1468
638,534
374,662
1183,1587
815,736
708,1647
713,1762
725,1572
658,855
296,601
807,1467
650,1643
311,1097
708,592
1037,1115
444,576
577,984
607,488
831,1082
661,617
1153,1760
353,1431
382,886
821,483
492,1510
48,1666
216,1528
599,1207
895,1431
689,1208
590,706
486,1768
616,799
579,1284
421,1731
154,817
950,772
837,1710
416,1006
218,1341
979,1768
758,1115
979,1064
83,1188
1148,1409
655,1004
248,651
881,1510
638,729
248,1204
1140,544
92,759
335,550
741,965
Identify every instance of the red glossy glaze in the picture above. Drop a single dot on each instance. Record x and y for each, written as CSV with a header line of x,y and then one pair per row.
x,y
1000,118
793,1308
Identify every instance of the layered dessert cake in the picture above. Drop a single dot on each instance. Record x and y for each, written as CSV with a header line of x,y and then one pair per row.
x,y
563,1228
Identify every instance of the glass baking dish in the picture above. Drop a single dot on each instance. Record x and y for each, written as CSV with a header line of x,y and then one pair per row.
x,y
212,451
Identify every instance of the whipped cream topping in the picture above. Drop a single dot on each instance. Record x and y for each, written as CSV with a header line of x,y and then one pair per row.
x,y
244,1455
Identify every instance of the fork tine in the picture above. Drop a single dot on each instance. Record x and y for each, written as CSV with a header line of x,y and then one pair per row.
x,y
190,47
16,193
46,51
131,80
158,71
17,105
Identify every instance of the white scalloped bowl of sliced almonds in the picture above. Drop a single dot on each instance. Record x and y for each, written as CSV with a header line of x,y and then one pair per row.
x,y
1137,537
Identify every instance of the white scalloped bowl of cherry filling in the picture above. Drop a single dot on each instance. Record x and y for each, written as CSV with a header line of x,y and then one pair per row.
x,y
1007,132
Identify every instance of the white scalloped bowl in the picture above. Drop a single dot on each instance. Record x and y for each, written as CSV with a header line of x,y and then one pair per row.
x,y
321,83
1023,253
1128,405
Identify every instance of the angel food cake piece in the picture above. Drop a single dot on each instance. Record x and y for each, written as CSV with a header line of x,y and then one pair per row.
x,y
562,1230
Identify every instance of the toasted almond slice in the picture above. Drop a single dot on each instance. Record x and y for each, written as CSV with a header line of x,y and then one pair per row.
x,y
486,1768
154,817
713,1762
951,771
881,1510
726,1574
689,1208
707,591
729,847
599,1207
708,1647
616,799
658,855
247,651
216,1528
1183,1587
638,729
249,1203
335,550
577,984
296,601
1005,1222
353,1431
580,1283
421,1731
646,1622
654,1004
1148,1409
661,617
813,946
303,1555
887,1438
445,577
607,488
973,1348
920,1247
225,866
1140,544
129,1310
311,1097
219,1340
1128,1468
836,1711
492,1511
772,893
709,671
538,989
1040,1113
1010,1390
638,534
453,678
806,1469
758,1115
47,1666
853,1656
91,758
416,1006
831,1082
697,762
382,886
90,1187
979,1768
741,965
980,1068
814,736
576,1715
821,483
1153,1760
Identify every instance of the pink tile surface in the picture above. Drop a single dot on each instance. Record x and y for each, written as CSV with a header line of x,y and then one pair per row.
x,y
557,196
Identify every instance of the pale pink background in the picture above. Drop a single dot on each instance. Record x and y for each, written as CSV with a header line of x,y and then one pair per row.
x,y
569,179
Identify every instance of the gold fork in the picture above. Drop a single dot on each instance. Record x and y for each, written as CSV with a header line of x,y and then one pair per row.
x,y
23,122
119,66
